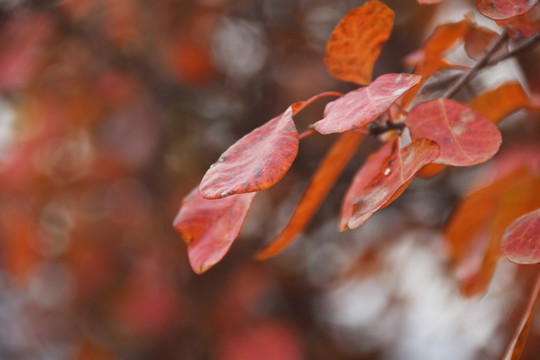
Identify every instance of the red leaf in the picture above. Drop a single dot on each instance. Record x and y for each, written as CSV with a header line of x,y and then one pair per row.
x,y
466,137
259,159
516,345
521,240
371,167
357,41
323,179
255,162
523,26
504,9
361,106
399,168
209,227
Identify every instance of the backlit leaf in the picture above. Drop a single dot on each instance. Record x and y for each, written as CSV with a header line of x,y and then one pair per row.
x,y
397,170
496,104
466,137
361,106
504,9
521,240
357,40
371,167
516,345
209,227
326,175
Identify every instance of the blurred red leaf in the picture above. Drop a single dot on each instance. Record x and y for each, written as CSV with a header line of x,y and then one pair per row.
x,y
371,167
209,227
516,345
504,9
269,340
523,26
466,137
326,175
521,240
357,41
429,1
397,170
361,106
496,104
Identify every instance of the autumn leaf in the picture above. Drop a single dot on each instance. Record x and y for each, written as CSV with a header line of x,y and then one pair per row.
x,y
357,40
504,9
477,41
521,240
209,227
523,26
398,169
443,39
466,137
361,106
517,343
506,190
371,167
259,159
326,175
496,104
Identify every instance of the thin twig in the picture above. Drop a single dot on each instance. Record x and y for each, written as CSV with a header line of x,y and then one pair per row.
x,y
480,64
524,46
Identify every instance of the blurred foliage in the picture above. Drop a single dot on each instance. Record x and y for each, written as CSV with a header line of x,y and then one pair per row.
x,y
110,112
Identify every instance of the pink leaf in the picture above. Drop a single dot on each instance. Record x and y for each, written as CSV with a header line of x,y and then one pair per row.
x,y
398,169
465,135
360,107
521,240
209,227
504,9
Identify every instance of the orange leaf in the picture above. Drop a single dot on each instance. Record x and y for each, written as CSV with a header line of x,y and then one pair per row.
x,y
510,188
209,227
431,170
498,103
326,175
521,240
443,39
371,167
361,106
399,168
478,40
466,137
357,40
516,345
504,9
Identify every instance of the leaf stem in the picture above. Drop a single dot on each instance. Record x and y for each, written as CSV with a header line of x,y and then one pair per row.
x,y
453,90
306,133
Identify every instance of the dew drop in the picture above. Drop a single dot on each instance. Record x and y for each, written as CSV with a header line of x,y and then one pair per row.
x,y
387,171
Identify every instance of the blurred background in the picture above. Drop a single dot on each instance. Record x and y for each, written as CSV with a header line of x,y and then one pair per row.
x,y
111,112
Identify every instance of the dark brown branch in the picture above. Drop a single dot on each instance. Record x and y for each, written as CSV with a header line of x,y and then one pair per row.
x,y
453,90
